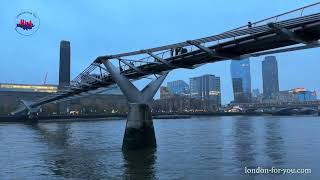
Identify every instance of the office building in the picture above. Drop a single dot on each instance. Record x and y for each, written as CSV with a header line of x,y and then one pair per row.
x,y
270,77
285,96
28,88
256,96
296,95
241,80
238,90
303,95
256,93
178,87
164,92
207,88
12,94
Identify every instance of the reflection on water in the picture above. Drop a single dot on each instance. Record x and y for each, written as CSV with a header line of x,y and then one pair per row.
x,y
244,139
274,142
140,164
56,137
68,159
197,148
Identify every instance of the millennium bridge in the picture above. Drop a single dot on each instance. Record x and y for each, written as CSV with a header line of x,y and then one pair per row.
x,y
291,31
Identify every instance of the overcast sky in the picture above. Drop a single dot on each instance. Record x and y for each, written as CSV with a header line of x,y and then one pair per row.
x,y
101,27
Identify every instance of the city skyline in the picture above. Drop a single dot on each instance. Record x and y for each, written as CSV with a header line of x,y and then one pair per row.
x,y
41,52
270,91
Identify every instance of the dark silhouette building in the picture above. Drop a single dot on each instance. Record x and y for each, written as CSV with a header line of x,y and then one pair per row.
x,y
64,67
270,77
64,73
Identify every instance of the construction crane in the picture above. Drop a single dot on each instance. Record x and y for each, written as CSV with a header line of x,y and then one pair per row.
x,y
45,79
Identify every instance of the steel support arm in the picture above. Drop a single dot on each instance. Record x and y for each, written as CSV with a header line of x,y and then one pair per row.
x,y
75,88
288,33
29,106
129,90
85,84
308,46
211,52
98,65
94,78
131,66
160,59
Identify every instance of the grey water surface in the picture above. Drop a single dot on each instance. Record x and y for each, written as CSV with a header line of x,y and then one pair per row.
x,y
196,148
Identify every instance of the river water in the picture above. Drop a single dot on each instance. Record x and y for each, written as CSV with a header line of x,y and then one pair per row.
x,y
196,148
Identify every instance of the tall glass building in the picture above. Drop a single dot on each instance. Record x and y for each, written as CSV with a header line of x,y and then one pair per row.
x,y
241,80
270,77
206,88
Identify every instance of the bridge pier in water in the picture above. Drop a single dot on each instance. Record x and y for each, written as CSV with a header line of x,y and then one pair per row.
x,y
139,132
32,112
32,118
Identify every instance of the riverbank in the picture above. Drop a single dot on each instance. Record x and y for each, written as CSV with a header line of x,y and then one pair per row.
x,y
64,118
106,117
122,116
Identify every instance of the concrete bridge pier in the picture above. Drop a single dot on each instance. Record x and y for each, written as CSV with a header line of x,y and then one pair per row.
x,y
32,114
139,132
318,110
32,118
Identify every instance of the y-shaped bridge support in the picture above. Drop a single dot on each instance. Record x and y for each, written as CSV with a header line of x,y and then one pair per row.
x,y
139,131
32,111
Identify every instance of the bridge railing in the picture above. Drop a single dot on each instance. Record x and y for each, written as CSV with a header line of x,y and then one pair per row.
x,y
302,11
